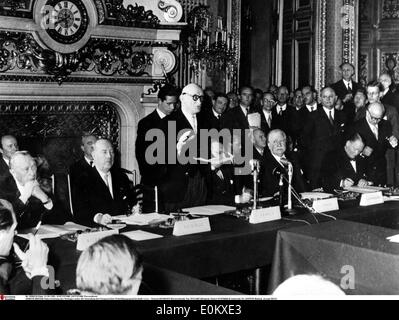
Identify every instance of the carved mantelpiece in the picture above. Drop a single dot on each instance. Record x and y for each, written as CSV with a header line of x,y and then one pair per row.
x,y
120,60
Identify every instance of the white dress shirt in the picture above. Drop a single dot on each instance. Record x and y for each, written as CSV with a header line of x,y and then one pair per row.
x,y
327,111
161,114
281,109
107,178
312,108
348,83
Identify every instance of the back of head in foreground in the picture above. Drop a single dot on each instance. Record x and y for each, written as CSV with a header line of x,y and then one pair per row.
x,y
111,266
308,286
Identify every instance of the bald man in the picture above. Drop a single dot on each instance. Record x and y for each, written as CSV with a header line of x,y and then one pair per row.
x,y
321,134
102,189
377,135
8,146
30,202
184,186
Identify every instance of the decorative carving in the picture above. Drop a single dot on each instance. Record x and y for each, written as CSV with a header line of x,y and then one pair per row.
x,y
173,10
363,69
16,8
348,32
320,72
100,11
390,9
111,57
131,16
103,56
49,127
164,61
390,64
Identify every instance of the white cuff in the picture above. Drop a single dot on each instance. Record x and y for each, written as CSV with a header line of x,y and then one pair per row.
x,y
42,272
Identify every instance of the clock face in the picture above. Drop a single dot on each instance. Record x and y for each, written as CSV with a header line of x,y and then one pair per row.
x,y
68,20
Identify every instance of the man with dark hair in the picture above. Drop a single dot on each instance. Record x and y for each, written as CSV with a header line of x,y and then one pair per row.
x,y
8,146
344,167
321,135
213,116
86,162
168,100
237,118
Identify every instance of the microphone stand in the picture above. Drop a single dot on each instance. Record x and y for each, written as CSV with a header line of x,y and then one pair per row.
x,y
255,188
281,185
290,174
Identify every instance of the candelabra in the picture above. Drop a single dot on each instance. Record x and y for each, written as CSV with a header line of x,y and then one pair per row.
x,y
218,55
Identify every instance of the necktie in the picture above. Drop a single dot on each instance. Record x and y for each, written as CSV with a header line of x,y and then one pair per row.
x,y
349,88
331,118
106,176
269,121
195,127
375,131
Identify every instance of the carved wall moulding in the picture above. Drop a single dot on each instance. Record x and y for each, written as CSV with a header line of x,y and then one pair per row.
x,y
173,11
117,60
16,8
390,9
130,16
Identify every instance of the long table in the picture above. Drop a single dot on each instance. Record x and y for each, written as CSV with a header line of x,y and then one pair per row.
x,y
232,245
357,257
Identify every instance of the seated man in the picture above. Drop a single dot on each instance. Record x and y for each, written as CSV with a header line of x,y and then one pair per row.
x,y
111,266
103,189
34,261
277,160
344,168
8,146
30,202
220,179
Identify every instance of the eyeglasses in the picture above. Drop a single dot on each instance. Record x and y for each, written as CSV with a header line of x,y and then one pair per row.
x,y
195,97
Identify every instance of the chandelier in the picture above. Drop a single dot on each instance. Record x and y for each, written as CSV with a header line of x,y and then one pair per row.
x,y
218,55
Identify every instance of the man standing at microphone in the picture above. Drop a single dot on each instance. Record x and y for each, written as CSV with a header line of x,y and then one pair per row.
x,y
278,161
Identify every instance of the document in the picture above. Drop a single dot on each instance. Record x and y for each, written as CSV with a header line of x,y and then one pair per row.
x,y
394,239
53,231
140,235
363,190
143,219
209,210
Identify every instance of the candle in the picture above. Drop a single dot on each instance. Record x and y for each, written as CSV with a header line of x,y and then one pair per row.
x,y
156,200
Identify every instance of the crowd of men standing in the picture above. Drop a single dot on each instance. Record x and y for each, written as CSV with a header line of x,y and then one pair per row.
x,y
345,136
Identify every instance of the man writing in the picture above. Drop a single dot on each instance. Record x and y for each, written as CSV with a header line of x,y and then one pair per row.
x,y
344,167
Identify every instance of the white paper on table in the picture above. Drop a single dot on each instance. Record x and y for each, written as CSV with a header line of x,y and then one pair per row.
x,y
208,210
143,219
53,231
394,239
140,235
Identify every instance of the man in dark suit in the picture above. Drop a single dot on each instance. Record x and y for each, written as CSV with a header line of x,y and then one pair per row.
x,y
167,103
283,113
374,91
86,162
31,204
377,136
278,159
346,87
389,96
103,189
344,167
321,134
8,146
268,121
213,116
237,118
183,184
